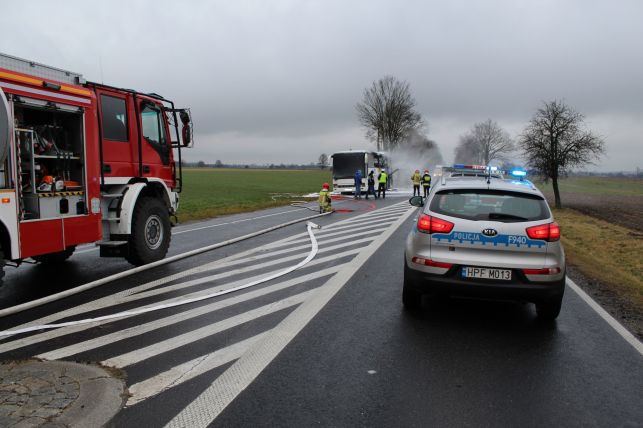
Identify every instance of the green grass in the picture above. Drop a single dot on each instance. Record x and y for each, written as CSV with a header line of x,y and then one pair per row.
x,y
605,251
213,192
597,185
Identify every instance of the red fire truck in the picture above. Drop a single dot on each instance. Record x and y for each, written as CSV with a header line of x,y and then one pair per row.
x,y
84,162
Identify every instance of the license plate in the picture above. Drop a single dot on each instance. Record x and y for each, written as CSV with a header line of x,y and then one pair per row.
x,y
486,273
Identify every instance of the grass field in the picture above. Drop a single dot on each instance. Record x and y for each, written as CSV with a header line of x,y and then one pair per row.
x,y
212,192
602,232
605,251
598,185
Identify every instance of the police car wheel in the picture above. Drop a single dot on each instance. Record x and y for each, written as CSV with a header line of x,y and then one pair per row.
x,y
548,310
150,238
411,299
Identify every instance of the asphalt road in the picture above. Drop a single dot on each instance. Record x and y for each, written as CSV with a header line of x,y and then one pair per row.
x,y
328,344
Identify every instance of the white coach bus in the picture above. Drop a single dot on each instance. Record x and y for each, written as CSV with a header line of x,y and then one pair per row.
x,y
346,163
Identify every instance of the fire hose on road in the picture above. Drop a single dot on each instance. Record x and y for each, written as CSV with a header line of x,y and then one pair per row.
x,y
110,278
313,252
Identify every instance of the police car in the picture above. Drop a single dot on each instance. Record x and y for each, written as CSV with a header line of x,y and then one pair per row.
x,y
488,237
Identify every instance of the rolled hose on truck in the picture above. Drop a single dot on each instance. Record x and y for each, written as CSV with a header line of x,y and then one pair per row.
x,y
120,275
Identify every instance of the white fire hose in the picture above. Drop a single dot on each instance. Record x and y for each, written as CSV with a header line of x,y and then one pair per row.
x,y
311,255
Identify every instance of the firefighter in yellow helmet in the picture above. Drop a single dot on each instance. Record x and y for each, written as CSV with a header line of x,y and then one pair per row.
x,y
416,178
324,199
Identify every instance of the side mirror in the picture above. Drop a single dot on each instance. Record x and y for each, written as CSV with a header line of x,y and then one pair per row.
x,y
417,201
186,131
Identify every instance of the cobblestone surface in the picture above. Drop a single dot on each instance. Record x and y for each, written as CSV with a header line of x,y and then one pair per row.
x,y
37,393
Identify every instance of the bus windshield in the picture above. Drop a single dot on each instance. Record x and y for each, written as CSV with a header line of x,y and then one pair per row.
x,y
345,164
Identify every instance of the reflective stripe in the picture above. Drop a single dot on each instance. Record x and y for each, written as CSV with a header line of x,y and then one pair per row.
x,y
40,82
51,195
45,93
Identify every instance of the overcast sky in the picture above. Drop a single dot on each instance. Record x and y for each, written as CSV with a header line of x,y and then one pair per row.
x,y
277,81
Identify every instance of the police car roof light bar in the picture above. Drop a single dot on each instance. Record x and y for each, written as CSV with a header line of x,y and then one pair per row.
x,y
519,173
463,166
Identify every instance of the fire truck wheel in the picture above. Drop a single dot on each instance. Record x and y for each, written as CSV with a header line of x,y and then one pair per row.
x,y
151,234
58,257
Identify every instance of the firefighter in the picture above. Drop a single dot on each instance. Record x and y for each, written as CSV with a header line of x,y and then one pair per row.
x,y
382,179
371,185
416,178
426,182
324,199
358,184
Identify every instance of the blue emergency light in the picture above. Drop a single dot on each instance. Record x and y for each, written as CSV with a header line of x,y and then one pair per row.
x,y
519,173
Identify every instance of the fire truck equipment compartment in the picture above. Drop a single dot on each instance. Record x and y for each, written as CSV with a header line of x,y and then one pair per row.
x,y
51,158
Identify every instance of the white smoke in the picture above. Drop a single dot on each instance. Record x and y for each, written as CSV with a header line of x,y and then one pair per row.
x,y
418,153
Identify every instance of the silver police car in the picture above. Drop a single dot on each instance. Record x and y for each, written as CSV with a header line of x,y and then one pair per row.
x,y
485,237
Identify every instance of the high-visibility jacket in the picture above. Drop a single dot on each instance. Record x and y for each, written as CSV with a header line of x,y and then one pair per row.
x,y
324,200
416,179
383,177
426,180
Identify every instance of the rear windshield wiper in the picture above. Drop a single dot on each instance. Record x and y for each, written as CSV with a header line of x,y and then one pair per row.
x,y
502,216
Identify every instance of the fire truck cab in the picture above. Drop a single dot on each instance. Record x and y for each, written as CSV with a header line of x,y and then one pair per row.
x,y
83,162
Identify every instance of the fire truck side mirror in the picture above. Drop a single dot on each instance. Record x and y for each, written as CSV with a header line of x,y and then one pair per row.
x,y
186,131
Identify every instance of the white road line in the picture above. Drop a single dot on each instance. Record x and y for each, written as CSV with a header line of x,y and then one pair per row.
x,y
209,404
189,370
338,228
141,354
622,331
263,257
111,298
345,232
178,232
226,274
77,348
226,286
139,292
117,276
134,293
46,335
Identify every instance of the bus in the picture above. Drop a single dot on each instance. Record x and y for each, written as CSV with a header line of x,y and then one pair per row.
x,y
346,163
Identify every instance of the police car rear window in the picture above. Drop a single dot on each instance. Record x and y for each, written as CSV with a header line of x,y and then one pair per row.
x,y
481,204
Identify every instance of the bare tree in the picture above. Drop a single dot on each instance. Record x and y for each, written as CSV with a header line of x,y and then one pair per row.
x,y
387,111
467,150
555,141
486,142
323,161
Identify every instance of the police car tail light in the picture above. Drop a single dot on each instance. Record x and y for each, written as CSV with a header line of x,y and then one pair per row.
x,y
428,224
547,232
544,271
429,262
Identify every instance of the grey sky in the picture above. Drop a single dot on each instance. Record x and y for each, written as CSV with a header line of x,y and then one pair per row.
x,y
277,81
